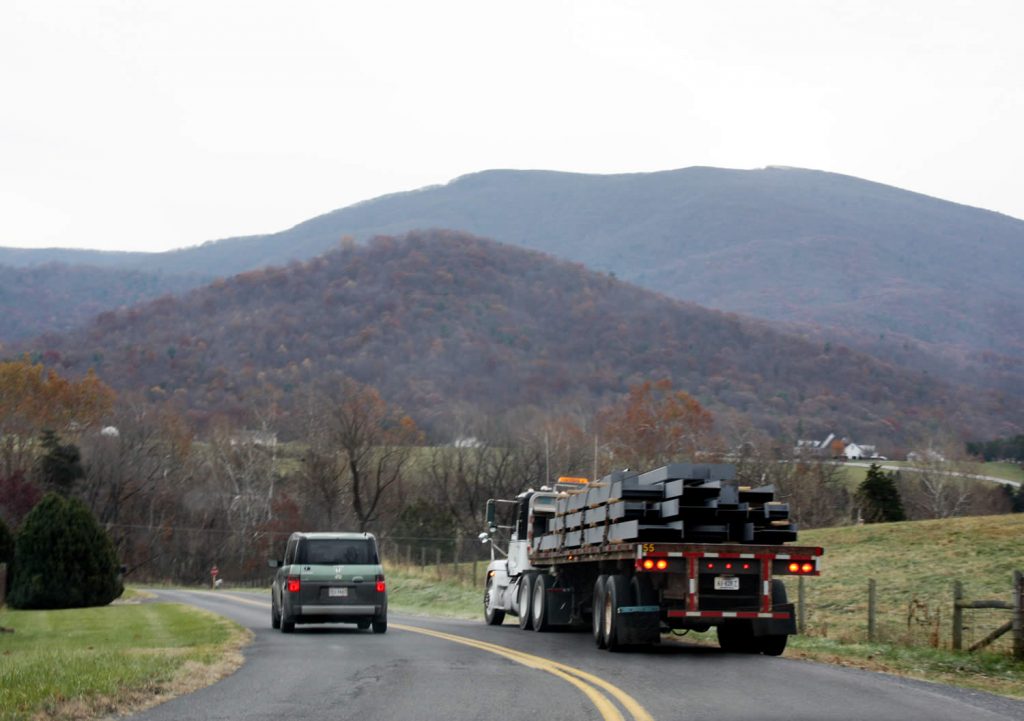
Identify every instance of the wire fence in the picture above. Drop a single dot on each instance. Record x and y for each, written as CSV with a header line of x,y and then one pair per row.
x,y
954,621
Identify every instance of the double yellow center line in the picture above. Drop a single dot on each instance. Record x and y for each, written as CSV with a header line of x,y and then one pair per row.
x,y
595,688
591,685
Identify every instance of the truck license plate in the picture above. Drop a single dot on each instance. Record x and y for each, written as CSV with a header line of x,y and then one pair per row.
x,y
727,583
337,592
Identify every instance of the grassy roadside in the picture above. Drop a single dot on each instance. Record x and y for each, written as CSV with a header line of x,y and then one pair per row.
x,y
84,663
419,590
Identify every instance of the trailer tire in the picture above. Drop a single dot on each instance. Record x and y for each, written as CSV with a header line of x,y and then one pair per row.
x,y
525,594
598,609
643,592
493,616
737,637
616,596
539,609
774,645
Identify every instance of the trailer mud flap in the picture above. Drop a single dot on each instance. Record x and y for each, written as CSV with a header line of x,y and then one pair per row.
x,y
559,606
639,625
777,626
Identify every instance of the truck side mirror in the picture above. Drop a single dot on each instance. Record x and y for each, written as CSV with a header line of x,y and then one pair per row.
x,y
491,525
275,563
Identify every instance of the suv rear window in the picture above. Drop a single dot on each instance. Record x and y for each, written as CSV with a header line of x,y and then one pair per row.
x,y
336,552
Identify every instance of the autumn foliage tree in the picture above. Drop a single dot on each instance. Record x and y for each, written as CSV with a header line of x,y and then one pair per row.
x,y
34,399
654,425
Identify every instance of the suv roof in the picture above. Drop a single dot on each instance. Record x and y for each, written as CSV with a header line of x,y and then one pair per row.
x,y
345,536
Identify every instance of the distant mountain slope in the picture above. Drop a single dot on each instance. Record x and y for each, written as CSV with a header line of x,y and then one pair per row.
x,y
922,282
440,318
56,297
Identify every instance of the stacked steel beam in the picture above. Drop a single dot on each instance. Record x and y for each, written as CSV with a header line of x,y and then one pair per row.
x,y
683,502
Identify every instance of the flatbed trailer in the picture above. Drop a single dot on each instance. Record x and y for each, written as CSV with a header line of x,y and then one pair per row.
x,y
631,592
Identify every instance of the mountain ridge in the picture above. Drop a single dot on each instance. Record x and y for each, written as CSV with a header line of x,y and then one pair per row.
x,y
914,280
439,320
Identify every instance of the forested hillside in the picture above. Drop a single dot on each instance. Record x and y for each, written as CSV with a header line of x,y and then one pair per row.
x,y
57,297
927,284
441,320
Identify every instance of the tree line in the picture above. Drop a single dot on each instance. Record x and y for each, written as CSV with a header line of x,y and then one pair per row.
x,y
176,500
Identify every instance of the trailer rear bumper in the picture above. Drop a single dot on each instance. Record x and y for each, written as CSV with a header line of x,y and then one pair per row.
x,y
779,622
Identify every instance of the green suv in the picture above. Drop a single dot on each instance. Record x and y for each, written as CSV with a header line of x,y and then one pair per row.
x,y
329,578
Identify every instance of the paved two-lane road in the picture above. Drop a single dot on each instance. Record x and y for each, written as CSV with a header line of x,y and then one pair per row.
x,y
425,668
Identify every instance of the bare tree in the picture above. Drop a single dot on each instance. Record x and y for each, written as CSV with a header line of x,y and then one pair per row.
x,y
937,485
244,468
375,443
813,488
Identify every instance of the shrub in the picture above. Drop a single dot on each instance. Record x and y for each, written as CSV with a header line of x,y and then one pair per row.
x,y
63,558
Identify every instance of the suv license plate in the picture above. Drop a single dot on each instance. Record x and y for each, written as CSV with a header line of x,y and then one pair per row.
x,y
337,592
727,583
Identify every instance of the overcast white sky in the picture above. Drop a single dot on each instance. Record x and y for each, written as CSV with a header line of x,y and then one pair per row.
x,y
148,126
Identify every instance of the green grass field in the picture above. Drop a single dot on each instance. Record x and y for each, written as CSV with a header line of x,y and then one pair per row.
x,y
914,565
96,661
855,474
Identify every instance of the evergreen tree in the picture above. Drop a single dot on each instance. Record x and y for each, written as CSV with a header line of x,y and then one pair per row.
x,y
1016,498
879,497
63,558
6,543
60,465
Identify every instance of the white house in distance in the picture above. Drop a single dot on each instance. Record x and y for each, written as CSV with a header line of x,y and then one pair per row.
x,y
833,447
857,452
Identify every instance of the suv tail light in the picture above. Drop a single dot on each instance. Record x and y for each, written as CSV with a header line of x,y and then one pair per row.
x,y
294,584
381,586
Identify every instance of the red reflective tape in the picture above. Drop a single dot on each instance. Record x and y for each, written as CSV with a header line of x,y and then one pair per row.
x,y
691,572
766,586
675,613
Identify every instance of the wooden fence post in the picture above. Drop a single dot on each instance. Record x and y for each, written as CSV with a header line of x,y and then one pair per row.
x,y
437,564
3,584
423,556
871,610
958,616
1018,615
455,558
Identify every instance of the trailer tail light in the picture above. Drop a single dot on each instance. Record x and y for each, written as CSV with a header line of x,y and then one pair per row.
x,y
294,584
652,564
381,586
801,568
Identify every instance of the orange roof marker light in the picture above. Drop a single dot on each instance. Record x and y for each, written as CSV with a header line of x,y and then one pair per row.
x,y
573,479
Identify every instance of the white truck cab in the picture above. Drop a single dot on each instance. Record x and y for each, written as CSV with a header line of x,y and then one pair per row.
x,y
532,509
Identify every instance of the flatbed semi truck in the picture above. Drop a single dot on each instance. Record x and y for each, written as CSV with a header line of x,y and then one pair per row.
x,y
682,547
